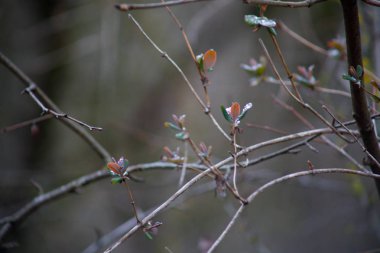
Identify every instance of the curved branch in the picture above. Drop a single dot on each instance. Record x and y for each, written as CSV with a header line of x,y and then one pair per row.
x,y
130,7
278,181
372,2
288,4
71,187
195,179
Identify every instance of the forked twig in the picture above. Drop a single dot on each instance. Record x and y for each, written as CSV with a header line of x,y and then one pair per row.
x,y
324,138
318,49
303,104
43,99
166,56
206,172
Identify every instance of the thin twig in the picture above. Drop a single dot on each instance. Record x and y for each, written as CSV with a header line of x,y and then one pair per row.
x,y
132,201
316,87
34,90
166,56
184,165
130,7
318,49
116,233
354,136
278,181
303,104
265,127
289,4
372,2
285,65
206,172
25,123
325,139
43,199
205,81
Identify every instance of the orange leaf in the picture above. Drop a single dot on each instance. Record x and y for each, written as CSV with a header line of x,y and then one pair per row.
x,y
114,167
209,59
235,111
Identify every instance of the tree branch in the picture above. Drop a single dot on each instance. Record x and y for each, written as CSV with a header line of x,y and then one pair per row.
x,y
372,2
130,7
32,89
288,4
278,181
359,102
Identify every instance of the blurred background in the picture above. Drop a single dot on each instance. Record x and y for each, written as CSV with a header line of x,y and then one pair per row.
x,y
96,65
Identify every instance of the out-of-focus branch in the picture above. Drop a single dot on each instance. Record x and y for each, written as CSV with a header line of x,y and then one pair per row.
x,y
130,7
372,2
288,4
324,138
316,48
358,96
123,228
33,90
278,181
295,97
25,123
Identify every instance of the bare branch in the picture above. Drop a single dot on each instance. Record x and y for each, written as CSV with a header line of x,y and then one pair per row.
x,y
288,4
166,56
278,181
25,123
130,7
359,100
33,90
372,2
204,173
316,48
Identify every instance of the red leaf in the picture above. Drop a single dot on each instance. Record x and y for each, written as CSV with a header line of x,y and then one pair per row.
x,y
114,167
235,111
209,59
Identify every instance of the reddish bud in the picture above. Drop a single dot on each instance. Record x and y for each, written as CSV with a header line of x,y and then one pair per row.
x,y
114,167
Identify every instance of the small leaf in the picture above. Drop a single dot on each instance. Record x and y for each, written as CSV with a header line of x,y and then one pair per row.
x,y
359,71
116,180
246,108
199,59
182,136
255,21
272,31
172,126
209,59
349,78
226,114
126,163
114,167
235,111
254,70
149,236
